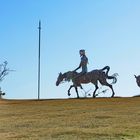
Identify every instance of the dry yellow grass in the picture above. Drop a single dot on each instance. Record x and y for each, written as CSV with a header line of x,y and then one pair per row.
x,y
70,119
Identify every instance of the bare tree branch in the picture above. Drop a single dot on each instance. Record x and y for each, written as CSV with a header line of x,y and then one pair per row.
x,y
4,70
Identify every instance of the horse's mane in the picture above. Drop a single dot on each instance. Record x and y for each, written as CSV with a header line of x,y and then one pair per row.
x,y
69,75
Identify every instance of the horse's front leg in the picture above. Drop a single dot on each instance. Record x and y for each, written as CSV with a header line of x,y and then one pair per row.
x,y
70,89
96,87
76,89
81,87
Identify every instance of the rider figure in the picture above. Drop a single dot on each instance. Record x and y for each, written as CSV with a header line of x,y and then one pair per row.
x,y
83,63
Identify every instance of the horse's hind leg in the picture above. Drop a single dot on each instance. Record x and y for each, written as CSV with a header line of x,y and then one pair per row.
x,y
104,82
113,93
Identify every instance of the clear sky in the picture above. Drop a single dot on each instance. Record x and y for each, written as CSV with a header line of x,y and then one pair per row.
x,y
107,29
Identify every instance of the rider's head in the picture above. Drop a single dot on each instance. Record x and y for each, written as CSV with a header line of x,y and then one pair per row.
x,y
82,52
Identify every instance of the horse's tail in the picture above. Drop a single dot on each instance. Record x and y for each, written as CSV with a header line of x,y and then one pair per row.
x,y
107,68
114,76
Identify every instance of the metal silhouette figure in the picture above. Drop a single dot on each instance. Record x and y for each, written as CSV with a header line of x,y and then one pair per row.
x,y
90,77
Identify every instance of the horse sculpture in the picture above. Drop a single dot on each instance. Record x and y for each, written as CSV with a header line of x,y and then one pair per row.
x,y
90,77
137,80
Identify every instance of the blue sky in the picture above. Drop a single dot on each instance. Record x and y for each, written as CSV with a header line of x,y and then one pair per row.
x,y
107,29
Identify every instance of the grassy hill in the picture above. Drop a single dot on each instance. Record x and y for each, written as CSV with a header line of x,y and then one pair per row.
x,y
70,119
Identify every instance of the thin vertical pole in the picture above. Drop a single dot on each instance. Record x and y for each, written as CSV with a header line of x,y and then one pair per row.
x,y
39,60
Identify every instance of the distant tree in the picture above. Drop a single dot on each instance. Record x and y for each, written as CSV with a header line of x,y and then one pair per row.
x,y
1,94
3,72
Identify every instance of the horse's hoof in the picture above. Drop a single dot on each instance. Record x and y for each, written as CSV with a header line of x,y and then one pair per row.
x,y
94,95
112,96
69,94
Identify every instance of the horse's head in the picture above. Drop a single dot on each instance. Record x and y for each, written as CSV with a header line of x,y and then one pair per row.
x,y
137,80
64,77
59,79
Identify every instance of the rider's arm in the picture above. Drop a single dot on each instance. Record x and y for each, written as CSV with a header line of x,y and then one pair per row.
x,y
78,67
